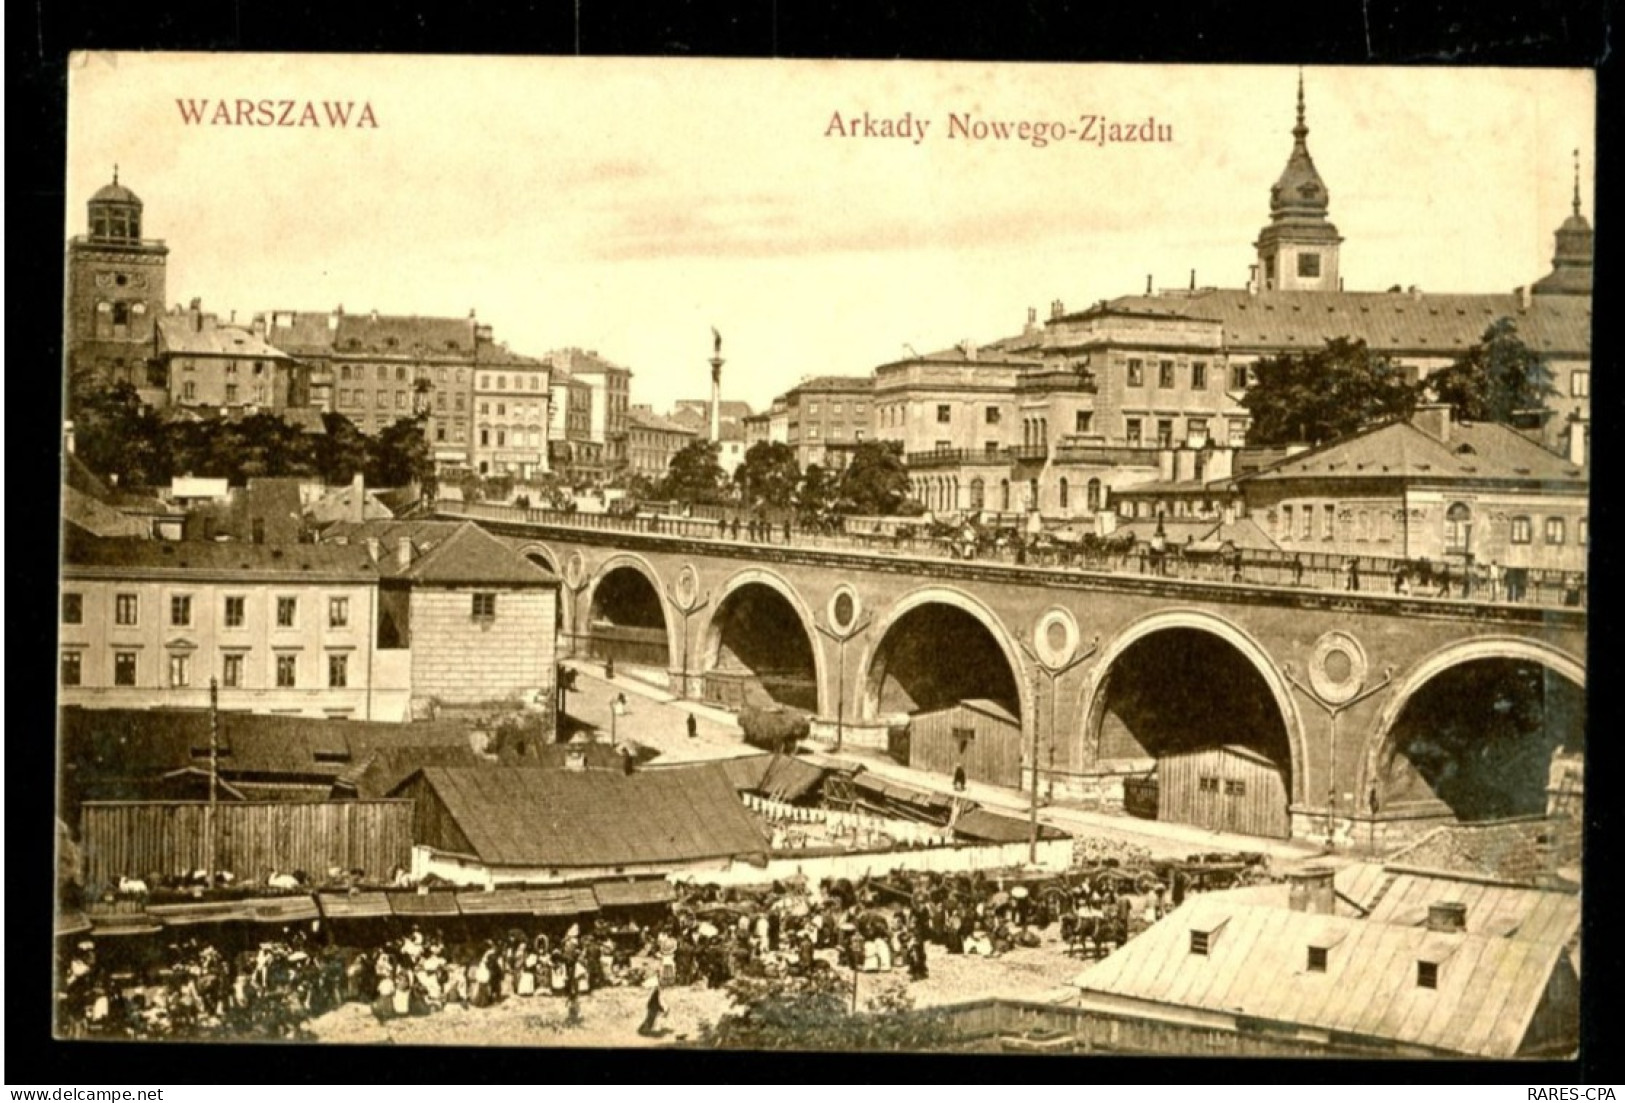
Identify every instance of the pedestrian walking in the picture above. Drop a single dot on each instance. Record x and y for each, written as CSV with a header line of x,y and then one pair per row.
x,y
609,668
693,727
959,779
653,1010
1351,575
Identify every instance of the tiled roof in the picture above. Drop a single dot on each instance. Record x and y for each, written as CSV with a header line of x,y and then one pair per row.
x,y
444,552
177,335
582,362
218,558
1508,850
566,819
1395,322
1487,992
1476,451
92,517
637,419
300,332
497,356
834,383
338,503
403,334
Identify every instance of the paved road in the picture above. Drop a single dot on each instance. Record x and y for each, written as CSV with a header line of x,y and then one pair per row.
x,y
658,719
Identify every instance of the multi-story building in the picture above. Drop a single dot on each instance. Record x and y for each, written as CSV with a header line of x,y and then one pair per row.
x,y
389,367
512,394
772,425
827,417
307,336
384,620
653,440
611,399
116,293
210,365
572,451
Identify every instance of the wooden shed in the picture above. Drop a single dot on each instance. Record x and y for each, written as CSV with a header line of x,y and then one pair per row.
x,y
1224,788
981,735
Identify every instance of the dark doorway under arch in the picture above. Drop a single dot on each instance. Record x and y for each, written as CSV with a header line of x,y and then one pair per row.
x,y
1481,737
627,621
758,653
1192,721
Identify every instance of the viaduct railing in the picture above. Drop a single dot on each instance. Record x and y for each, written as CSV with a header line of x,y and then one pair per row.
x,y
1269,568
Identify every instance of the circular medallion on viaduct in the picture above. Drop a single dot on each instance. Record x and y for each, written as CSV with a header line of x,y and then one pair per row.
x,y
844,608
1055,637
688,585
1337,667
575,571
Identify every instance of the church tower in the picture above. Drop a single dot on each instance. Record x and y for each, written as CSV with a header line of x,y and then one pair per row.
x,y
1571,263
116,292
1297,251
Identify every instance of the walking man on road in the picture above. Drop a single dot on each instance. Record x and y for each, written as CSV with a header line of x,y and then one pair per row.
x,y
693,727
652,1014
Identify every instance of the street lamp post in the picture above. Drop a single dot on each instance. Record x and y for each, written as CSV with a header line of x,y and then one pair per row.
x,y
841,639
1052,673
1333,709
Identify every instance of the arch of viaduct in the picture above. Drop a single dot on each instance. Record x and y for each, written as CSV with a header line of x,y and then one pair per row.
x,y
1337,734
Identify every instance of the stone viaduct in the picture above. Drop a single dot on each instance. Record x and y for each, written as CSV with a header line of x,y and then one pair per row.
x,y
1098,669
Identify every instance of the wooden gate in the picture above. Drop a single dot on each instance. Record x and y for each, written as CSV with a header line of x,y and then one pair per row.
x,y
1229,788
979,735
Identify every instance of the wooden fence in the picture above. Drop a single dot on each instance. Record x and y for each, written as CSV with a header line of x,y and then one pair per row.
x,y
162,838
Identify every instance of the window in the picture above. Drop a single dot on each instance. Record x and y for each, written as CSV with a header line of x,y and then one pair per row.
x,y
1199,943
485,606
286,609
1457,527
1165,374
1196,429
231,671
1307,531
287,671
502,382
1064,494
1556,530
1238,377
180,671
231,392
400,400
1136,373
1427,974
992,415
1317,959
124,668
383,399
1207,785
1092,495
383,372
1165,432
1309,265
1286,522
944,414
189,391
1582,531
1328,522
1131,431
400,374
338,671
180,610
234,612
1235,788
73,608
1579,384
1198,375
338,612
1081,420
72,668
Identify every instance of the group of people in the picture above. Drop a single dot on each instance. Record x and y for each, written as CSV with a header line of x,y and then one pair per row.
x,y
758,530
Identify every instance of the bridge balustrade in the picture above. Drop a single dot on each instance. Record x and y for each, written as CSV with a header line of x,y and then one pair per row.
x,y
1257,567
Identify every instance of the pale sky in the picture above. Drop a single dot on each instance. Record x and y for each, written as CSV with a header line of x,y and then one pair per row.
x,y
628,206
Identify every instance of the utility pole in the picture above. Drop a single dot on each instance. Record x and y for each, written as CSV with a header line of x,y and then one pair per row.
x,y
214,775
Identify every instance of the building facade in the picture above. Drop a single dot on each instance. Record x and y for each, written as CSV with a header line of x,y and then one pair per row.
x,y
652,441
512,394
116,293
209,365
611,400
827,417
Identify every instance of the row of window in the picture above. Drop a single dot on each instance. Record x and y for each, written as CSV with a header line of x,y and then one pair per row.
x,y
533,411
835,433
1300,522
259,393
838,407
1167,374
356,399
232,670
502,382
1195,428
127,610
231,366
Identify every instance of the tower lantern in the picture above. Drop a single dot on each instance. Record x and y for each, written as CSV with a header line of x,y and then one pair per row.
x,y
1298,250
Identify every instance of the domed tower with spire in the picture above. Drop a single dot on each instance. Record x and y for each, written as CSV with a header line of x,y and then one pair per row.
x,y
116,292
1297,251
1571,263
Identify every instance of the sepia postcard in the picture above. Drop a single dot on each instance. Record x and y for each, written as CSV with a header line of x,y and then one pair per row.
x,y
769,555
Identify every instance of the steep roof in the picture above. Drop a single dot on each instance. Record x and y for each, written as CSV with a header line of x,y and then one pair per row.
x,y
177,334
1393,322
843,383
90,555
639,419
403,334
1475,451
582,362
96,519
1513,850
1487,990
565,819
449,553
301,332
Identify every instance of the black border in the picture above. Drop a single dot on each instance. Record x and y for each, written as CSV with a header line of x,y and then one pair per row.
x,y
1539,33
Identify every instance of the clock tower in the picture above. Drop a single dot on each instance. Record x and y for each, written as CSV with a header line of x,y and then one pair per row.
x,y
116,293
1297,251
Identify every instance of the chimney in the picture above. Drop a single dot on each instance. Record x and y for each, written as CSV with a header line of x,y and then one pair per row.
x,y
1056,309
1433,418
1526,297
1193,279
358,499
67,436
1340,283
374,549
1312,889
1579,432
1148,283
196,312
1252,279
259,325
374,317
1447,916
403,552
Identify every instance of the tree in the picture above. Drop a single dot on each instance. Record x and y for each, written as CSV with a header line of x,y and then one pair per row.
x,y
1496,379
816,495
876,481
1315,397
769,475
115,434
812,1013
695,477
341,452
400,455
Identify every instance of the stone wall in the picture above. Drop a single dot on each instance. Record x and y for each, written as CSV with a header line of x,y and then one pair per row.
x,y
458,658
